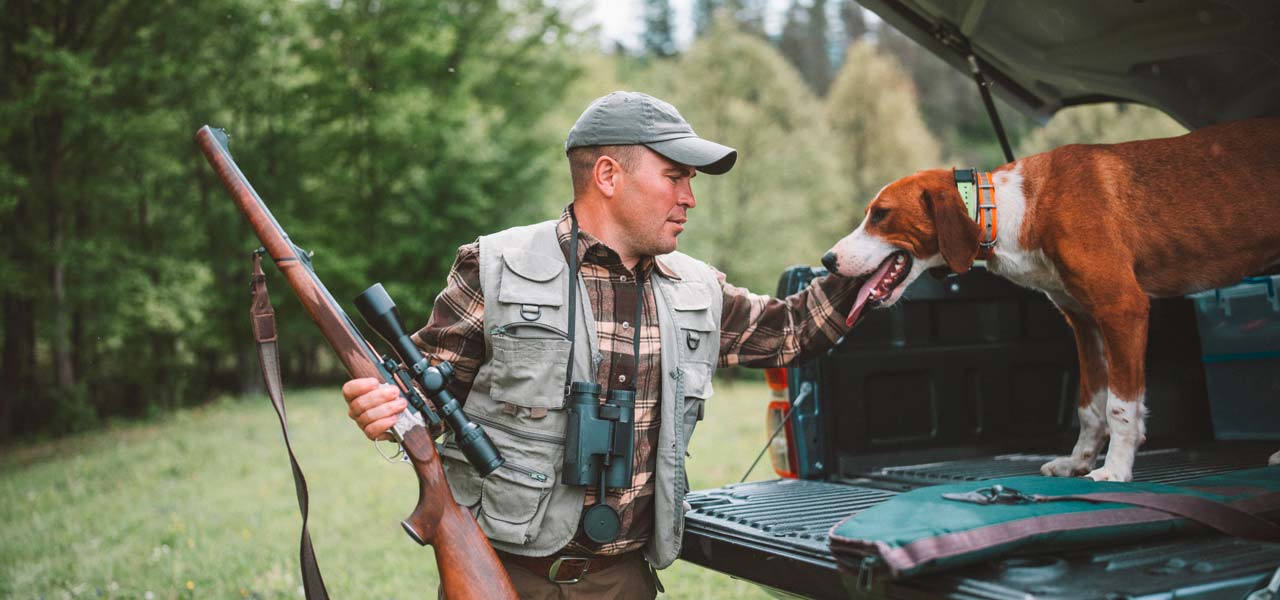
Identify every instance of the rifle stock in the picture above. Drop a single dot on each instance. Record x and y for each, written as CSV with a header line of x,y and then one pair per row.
x,y
469,569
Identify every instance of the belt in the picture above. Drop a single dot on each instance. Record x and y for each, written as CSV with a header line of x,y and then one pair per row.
x,y
563,568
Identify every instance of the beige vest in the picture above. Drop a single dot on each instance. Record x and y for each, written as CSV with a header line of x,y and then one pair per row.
x,y
518,393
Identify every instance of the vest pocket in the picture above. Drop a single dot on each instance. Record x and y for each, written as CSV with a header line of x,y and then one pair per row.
x,y
697,388
464,480
694,324
529,372
513,500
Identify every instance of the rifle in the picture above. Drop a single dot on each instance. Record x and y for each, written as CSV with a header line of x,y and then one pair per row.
x,y
469,568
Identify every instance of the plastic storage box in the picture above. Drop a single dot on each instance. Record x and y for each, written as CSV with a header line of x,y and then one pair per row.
x,y
1240,346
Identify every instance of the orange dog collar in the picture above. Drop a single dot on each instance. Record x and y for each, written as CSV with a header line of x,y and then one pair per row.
x,y
979,195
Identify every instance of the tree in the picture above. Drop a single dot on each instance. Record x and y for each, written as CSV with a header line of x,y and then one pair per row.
x,y
383,135
804,42
951,105
1100,124
880,134
659,40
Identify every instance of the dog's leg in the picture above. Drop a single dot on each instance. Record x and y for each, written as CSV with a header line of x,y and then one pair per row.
x,y
1123,322
1091,409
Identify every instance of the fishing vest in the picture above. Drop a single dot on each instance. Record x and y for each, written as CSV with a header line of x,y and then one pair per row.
x,y
518,394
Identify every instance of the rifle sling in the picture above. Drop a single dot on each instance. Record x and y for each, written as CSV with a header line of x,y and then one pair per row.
x,y
264,331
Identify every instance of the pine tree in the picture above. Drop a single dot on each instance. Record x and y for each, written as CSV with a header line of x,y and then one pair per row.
x,y
659,39
804,41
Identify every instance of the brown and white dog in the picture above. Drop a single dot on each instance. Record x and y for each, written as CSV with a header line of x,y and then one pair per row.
x,y
1100,229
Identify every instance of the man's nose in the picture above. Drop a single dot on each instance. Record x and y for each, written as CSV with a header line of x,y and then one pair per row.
x,y
685,195
829,261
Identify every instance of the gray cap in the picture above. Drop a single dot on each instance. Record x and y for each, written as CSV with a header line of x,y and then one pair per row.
x,y
623,118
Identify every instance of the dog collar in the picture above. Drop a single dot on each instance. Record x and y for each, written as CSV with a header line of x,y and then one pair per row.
x,y
979,196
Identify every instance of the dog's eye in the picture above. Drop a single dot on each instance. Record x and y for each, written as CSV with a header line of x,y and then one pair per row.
x,y
877,215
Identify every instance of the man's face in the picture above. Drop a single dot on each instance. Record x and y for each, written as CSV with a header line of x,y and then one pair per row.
x,y
652,204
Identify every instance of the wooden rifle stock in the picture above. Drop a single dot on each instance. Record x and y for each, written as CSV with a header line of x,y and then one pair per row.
x,y
469,568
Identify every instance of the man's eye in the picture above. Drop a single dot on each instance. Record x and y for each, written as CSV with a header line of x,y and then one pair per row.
x,y
877,215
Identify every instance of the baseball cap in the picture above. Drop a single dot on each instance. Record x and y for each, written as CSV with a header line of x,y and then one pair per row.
x,y
622,118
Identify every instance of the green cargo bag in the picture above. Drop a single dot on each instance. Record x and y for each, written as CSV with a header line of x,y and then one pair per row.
x,y
940,527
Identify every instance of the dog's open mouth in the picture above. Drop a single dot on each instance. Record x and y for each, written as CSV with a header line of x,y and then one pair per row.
x,y
880,284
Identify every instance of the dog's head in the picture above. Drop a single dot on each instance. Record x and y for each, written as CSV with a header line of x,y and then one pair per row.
x,y
914,224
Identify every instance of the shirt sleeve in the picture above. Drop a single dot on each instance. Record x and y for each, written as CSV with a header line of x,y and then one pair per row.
x,y
455,331
761,331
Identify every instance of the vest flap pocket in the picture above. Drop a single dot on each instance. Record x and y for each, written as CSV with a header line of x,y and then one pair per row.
x,y
464,480
536,279
512,502
697,380
529,372
689,296
694,322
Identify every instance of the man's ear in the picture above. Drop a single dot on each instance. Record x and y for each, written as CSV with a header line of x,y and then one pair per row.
x,y
605,175
957,233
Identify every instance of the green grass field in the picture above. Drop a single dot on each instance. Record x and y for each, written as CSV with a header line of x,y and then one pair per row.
x,y
201,505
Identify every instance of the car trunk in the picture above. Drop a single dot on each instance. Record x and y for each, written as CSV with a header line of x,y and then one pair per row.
x,y
971,378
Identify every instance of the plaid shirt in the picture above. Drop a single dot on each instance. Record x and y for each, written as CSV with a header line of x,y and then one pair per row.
x,y
755,331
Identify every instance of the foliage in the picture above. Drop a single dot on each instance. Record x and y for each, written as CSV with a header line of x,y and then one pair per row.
x,y
122,256
952,107
881,136
1100,124
201,504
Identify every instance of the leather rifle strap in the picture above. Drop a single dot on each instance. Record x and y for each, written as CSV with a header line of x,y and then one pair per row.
x,y
264,331
1217,515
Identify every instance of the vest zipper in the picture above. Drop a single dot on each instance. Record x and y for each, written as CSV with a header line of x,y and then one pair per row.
x,y
536,475
525,470
506,329
528,435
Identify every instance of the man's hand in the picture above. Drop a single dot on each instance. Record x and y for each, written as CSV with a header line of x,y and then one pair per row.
x,y
373,407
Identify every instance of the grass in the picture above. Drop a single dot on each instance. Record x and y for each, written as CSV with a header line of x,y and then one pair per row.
x,y
201,505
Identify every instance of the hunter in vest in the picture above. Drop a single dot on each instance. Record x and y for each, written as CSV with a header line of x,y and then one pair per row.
x,y
601,298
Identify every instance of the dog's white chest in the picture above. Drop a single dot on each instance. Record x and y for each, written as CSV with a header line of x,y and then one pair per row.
x,y
1025,267
1029,269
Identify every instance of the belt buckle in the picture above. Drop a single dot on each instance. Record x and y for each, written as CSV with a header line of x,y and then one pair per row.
x,y
581,562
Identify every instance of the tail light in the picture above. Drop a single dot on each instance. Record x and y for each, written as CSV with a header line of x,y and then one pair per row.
x,y
782,447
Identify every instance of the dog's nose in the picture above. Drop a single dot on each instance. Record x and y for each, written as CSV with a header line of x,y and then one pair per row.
x,y
829,261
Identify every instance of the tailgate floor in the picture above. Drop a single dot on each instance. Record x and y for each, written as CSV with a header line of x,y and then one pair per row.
x,y
774,533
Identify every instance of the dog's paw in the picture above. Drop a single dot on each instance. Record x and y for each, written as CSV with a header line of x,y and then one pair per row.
x,y
1065,466
1107,474
1274,460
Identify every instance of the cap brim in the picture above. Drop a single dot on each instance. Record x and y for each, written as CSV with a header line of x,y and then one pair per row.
x,y
703,155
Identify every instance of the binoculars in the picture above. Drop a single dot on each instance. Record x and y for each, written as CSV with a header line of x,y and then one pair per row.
x,y
599,445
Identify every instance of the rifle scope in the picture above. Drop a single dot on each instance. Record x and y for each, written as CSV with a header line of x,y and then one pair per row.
x,y
379,311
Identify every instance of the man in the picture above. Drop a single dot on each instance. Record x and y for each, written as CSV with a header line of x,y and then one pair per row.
x,y
511,326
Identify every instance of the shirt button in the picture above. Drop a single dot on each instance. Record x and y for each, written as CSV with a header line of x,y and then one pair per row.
x,y
626,325
623,278
622,379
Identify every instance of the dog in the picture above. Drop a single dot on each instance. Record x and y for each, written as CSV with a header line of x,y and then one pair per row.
x,y
1100,229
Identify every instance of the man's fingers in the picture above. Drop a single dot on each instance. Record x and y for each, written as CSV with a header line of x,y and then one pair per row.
x,y
377,396
382,411
376,429
358,387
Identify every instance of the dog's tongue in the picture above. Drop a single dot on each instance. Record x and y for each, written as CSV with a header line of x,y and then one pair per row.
x,y
865,292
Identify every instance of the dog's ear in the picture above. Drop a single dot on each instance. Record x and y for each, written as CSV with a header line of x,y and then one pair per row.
x,y
957,233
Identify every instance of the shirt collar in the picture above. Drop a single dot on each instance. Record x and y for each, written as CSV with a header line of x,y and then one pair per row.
x,y
592,250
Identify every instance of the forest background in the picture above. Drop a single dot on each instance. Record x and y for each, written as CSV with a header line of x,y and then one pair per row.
x,y
383,135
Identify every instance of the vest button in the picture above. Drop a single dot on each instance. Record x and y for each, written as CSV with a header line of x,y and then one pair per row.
x,y
626,326
622,379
